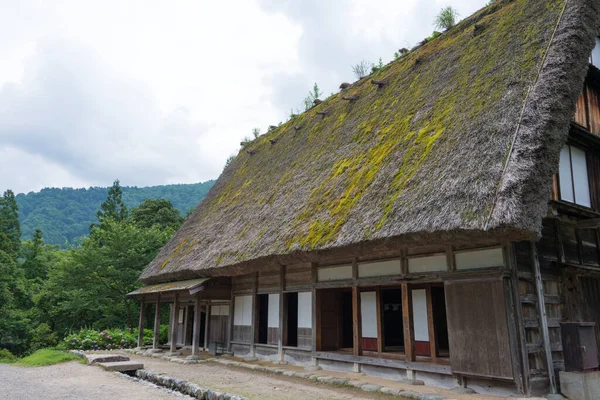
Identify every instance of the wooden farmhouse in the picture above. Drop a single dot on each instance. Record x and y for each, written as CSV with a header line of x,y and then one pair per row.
x,y
437,220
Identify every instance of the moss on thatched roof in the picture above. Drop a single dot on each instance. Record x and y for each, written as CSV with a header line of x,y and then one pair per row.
x,y
463,136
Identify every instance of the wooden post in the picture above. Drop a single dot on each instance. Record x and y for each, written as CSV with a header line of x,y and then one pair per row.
x,y
522,356
254,324
407,322
140,342
155,342
207,324
315,320
196,333
174,323
231,311
356,321
450,260
542,314
281,313
379,308
431,325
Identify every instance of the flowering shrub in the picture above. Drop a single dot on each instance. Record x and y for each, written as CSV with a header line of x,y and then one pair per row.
x,y
109,339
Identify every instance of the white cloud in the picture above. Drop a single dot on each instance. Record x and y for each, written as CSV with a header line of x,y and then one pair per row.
x,y
155,92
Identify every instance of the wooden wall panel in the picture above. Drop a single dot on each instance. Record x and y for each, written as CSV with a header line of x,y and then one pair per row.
x,y
241,333
590,303
329,320
581,110
593,164
298,276
268,282
478,328
593,97
242,284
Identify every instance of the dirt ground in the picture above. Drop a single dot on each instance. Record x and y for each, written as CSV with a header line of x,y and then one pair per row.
x,y
70,381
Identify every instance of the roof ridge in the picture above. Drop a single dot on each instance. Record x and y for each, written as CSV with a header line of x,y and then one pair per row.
x,y
519,123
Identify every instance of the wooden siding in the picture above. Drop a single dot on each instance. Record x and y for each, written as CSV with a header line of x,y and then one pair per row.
x,y
242,333
304,337
478,328
298,276
587,113
268,282
242,283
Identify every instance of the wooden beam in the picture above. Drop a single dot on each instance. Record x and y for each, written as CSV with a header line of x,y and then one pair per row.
x,y
174,323
207,324
156,339
430,324
140,341
281,313
255,310
543,318
407,321
588,223
356,322
519,321
379,307
197,326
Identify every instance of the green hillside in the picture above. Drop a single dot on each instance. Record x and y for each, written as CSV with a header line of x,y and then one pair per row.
x,y
65,214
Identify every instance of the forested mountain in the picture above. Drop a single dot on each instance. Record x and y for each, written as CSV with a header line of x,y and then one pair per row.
x,y
65,214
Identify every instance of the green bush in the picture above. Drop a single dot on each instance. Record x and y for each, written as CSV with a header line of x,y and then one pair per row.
x,y
43,337
109,339
6,356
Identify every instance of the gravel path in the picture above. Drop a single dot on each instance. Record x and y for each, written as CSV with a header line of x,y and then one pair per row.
x,y
71,381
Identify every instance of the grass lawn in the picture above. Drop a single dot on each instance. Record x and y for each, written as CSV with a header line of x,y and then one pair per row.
x,y
42,357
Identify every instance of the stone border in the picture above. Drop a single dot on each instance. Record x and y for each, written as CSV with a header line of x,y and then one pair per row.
x,y
184,387
366,387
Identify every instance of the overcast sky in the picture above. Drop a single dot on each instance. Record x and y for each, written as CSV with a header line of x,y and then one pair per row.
x,y
158,92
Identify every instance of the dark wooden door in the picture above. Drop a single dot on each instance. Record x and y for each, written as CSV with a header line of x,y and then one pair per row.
x,y
478,328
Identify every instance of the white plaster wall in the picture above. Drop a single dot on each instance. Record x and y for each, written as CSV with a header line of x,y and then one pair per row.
x,y
273,320
419,300
479,259
427,264
368,311
305,310
382,268
334,273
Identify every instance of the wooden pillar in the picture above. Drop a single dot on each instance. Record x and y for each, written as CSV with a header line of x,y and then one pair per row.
x,y
281,313
140,341
407,321
155,342
174,323
207,324
539,288
316,323
231,312
379,308
430,324
523,355
197,326
356,321
254,326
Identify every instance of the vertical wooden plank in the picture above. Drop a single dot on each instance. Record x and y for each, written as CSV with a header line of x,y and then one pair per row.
x,y
431,325
450,259
542,315
407,321
356,321
282,306
593,102
196,327
379,307
231,311
519,322
581,113
559,242
207,324
403,263
316,321
255,309
155,341
174,323
555,195
140,342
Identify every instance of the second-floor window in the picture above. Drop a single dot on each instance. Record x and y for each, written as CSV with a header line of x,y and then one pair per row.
x,y
595,58
573,176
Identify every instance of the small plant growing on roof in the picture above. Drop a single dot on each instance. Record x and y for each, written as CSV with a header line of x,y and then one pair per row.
x,y
245,142
228,161
446,18
361,69
377,67
255,132
313,97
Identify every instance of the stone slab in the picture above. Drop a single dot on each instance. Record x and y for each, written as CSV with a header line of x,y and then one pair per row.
x,y
104,358
121,366
580,385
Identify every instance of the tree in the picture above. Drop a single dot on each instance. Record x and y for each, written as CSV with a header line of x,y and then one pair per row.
x,y
361,69
113,207
156,212
446,18
33,264
256,132
10,230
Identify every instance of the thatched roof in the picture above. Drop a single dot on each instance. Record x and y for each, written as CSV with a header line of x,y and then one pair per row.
x,y
462,137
